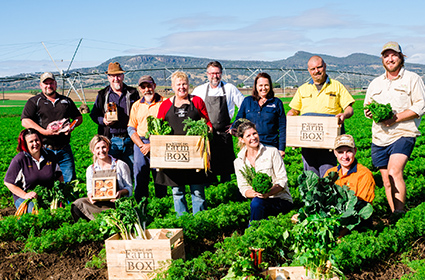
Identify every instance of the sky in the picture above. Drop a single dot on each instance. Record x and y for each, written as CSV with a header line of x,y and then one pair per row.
x,y
233,30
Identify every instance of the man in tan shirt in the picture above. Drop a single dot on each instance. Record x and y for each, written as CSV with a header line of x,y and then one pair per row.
x,y
393,139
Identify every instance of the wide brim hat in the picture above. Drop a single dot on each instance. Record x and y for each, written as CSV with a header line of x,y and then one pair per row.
x,y
114,68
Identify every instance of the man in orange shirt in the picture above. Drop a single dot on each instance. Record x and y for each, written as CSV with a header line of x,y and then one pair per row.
x,y
351,173
148,105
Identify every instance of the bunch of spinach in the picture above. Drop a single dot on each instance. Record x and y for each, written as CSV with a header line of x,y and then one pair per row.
x,y
260,182
157,127
380,112
128,219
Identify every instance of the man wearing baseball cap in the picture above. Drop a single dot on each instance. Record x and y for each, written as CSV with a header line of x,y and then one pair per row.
x,y
351,173
393,139
45,108
123,96
148,105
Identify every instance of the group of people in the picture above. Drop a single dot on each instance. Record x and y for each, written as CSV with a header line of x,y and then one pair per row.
x,y
121,145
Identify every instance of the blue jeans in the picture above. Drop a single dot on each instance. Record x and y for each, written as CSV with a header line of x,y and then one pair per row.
x,y
19,201
262,208
122,148
198,199
141,171
66,163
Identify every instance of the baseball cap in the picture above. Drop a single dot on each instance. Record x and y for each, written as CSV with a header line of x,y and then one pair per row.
x,y
146,79
391,46
47,75
344,140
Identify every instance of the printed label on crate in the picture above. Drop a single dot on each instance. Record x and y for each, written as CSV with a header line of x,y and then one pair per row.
x,y
177,152
313,132
139,260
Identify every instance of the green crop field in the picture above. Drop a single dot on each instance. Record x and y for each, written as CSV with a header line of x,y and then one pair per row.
x,y
218,238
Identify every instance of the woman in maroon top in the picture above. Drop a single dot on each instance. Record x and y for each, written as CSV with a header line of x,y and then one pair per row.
x,y
175,110
31,167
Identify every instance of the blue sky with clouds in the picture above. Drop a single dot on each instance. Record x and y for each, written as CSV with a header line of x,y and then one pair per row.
x,y
237,30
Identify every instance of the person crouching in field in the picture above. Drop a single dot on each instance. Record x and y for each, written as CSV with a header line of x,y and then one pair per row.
x,y
103,166
265,159
351,173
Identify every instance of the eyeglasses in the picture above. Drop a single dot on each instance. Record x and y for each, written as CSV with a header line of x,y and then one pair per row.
x,y
214,73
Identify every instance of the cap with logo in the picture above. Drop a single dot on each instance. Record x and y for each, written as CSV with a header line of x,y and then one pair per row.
x,y
391,46
47,75
344,140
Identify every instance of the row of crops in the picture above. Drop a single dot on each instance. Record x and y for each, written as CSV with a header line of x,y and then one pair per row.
x,y
219,237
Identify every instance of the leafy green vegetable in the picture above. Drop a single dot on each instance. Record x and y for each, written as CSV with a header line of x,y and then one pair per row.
x,y
198,127
260,182
380,112
61,194
128,218
157,127
324,197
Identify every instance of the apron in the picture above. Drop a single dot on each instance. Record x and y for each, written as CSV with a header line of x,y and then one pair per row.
x,y
179,177
222,153
84,204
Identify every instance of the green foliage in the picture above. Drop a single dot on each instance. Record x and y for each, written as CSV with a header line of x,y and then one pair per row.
x,y
324,197
98,261
260,182
380,112
198,127
157,127
61,194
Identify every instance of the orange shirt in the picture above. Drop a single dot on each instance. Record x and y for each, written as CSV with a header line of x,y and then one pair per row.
x,y
359,179
140,112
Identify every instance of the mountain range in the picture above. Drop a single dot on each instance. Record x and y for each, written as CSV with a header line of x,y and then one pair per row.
x,y
236,71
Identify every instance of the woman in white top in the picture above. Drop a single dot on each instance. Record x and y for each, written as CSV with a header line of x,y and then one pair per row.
x,y
103,165
265,159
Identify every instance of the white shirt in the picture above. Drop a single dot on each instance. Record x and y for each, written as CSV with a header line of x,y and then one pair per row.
x,y
406,91
233,96
268,161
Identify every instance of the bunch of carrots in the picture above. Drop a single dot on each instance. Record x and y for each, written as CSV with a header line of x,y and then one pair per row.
x,y
23,208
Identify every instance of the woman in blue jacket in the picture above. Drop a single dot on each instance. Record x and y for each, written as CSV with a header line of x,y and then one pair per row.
x,y
266,112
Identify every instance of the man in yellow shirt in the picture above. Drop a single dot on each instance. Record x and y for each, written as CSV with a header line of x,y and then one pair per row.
x,y
148,105
321,97
351,173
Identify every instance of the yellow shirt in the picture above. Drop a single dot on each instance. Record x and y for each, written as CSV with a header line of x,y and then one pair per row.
x,y
140,112
359,179
332,99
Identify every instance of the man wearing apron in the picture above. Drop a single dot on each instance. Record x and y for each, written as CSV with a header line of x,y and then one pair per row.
x,y
220,99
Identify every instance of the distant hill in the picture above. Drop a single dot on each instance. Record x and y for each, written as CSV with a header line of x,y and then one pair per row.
x,y
236,71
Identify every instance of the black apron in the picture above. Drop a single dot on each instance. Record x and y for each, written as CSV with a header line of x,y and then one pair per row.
x,y
222,153
180,177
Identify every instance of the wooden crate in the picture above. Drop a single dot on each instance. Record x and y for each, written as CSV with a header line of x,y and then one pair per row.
x,y
312,131
142,259
290,272
175,152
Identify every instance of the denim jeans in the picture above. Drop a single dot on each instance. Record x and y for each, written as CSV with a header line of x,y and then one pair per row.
x,y
122,148
19,202
198,199
66,162
141,171
262,208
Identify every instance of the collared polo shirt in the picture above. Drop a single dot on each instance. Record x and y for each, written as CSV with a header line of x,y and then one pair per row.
x,y
43,111
140,112
358,178
332,99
